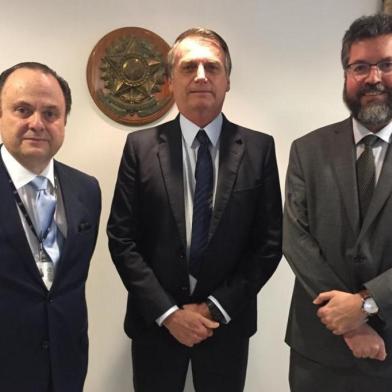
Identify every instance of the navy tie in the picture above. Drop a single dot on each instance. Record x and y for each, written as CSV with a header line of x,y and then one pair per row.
x,y
202,203
366,174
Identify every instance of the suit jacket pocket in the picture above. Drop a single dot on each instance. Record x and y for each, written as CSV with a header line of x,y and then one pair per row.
x,y
84,226
245,188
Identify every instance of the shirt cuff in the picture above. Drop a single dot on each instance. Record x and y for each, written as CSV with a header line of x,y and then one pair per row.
x,y
165,315
218,305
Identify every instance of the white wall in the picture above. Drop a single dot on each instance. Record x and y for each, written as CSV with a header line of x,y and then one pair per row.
x,y
286,80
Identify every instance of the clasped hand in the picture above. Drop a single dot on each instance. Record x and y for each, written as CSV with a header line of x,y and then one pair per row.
x,y
339,311
342,314
191,325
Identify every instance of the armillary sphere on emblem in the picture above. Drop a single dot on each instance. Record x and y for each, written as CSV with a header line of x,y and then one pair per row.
x,y
126,76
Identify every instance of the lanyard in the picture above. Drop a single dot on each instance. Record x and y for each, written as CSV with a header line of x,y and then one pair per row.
x,y
24,212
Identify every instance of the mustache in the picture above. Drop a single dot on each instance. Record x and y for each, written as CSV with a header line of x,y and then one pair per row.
x,y
373,88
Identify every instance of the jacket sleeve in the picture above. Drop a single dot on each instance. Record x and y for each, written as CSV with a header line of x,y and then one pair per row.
x,y
263,255
299,246
123,228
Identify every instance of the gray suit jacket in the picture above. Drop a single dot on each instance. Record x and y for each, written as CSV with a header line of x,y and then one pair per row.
x,y
328,249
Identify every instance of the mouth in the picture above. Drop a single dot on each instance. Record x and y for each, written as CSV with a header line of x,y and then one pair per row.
x,y
373,93
35,140
200,92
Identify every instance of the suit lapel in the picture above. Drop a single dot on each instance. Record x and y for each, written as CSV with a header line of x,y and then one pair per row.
x,y
382,192
12,227
230,155
171,162
74,211
342,152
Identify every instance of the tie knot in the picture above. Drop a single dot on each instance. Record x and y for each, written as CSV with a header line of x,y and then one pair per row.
x,y
39,183
370,140
202,138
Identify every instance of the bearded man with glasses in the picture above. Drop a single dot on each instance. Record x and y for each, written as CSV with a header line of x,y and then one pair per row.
x,y
337,229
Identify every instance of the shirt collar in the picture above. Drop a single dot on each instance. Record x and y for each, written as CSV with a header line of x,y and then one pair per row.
x,y
189,129
21,176
360,132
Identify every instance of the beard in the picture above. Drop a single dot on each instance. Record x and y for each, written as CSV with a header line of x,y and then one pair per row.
x,y
373,115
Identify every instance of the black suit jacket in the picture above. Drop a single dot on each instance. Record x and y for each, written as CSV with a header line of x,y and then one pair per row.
x,y
43,332
146,227
328,248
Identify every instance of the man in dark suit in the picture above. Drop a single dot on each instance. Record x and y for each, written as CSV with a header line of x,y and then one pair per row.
x,y
43,266
337,229
195,229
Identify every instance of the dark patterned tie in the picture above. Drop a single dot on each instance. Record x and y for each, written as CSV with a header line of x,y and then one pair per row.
x,y
366,174
202,203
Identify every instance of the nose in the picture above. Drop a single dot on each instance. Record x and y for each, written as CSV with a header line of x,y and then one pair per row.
x,y
374,76
36,122
200,74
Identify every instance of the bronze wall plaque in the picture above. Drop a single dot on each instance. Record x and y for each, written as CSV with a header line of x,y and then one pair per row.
x,y
387,6
126,76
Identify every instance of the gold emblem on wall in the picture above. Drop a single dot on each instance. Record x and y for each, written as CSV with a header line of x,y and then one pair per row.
x,y
387,6
126,76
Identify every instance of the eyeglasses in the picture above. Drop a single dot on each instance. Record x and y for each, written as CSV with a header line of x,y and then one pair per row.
x,y
362,70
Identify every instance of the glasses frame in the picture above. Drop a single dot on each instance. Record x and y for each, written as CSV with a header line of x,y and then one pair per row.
x,y
349,68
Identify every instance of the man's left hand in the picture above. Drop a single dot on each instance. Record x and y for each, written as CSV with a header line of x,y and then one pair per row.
x,y
341,312
201,308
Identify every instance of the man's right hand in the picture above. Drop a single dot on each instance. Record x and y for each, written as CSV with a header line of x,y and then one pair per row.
x,y
189,327
365,342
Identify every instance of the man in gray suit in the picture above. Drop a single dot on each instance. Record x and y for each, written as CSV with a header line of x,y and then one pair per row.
x,y
338,229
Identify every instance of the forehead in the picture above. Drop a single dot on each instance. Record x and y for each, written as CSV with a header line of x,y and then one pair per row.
x,y
371,49
199,48
28,84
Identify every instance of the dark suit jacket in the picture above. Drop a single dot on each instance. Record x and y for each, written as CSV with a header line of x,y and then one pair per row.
x,y
328,249
41,331
147,227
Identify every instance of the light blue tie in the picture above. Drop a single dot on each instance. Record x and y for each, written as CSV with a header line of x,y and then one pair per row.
x,y
45,204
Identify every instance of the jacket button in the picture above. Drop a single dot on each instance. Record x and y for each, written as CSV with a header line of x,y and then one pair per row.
x,y
358,259
182,256
185,288
45,345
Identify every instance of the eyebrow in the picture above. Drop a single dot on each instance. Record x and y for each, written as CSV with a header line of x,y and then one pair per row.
x,y
25,103
198,60
360,61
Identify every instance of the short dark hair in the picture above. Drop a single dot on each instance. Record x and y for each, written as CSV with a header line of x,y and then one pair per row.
x,y
363,28
44,69
203,33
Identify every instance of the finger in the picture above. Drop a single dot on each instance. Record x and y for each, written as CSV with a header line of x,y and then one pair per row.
x,y
209,323
357,354
323,297
328,323
382,354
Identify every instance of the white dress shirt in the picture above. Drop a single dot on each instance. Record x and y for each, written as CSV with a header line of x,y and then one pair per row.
x,y
379,150
21,177
190,148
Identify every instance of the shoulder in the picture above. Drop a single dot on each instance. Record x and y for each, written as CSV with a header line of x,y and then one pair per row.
x,y
324,134
251,138
151,135
75,176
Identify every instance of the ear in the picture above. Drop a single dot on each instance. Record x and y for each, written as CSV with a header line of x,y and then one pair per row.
x,y
228,85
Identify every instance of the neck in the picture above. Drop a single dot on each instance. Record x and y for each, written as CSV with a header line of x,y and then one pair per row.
x,y
200,119
35,167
